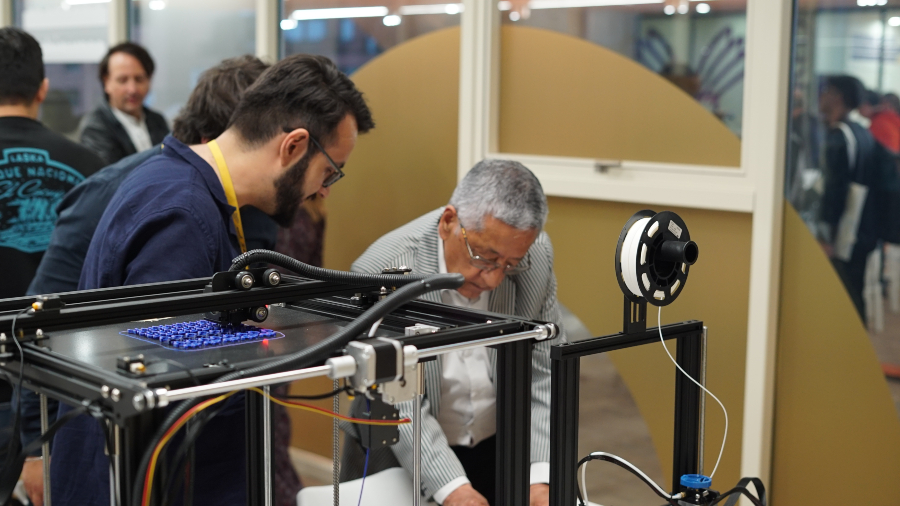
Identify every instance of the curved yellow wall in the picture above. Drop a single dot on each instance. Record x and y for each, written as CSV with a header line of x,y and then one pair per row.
x,y
837,434
560,95
406,166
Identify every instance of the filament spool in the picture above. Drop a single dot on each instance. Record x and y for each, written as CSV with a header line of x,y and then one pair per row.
x,y
653,257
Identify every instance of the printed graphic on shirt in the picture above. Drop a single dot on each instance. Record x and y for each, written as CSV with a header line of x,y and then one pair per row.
x,y
31,186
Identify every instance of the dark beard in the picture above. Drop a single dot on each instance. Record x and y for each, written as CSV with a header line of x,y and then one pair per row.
x,y
289,193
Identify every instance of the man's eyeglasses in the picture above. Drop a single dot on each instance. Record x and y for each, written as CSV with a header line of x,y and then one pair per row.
x,y
488,265
336,173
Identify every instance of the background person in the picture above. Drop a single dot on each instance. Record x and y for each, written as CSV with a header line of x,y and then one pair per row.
x,y
884,123
847,214
490,232
122,125
37,166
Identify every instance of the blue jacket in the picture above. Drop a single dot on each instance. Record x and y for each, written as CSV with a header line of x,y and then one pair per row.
x,y
79,213
169,220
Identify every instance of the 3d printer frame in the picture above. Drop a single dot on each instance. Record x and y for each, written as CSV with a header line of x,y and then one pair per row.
x,y
565,370
67,380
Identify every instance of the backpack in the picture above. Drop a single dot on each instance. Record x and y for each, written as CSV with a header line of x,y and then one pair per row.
x,y
882,177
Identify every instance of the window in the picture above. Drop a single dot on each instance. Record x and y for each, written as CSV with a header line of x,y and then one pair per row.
x,y
842,50
186,37
73,38
351,35
690,54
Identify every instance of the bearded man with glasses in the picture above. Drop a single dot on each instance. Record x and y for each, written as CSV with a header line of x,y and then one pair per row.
x,y
490,232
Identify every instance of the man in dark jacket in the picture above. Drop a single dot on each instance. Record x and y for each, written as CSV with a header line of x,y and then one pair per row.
x,y
287,140
122,125
203,118
847,211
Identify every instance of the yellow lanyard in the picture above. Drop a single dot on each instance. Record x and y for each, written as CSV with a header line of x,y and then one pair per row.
x,y
229,193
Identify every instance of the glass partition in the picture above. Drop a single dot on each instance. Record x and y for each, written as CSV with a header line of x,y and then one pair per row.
x,y
355,32
842,166
73,38
697,46
186,37
670,108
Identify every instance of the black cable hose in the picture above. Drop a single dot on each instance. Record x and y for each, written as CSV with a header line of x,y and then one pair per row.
x,y
306,357
322,274
623,466
738,490
741,487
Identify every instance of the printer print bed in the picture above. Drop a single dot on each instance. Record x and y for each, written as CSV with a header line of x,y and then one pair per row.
x,y
200,335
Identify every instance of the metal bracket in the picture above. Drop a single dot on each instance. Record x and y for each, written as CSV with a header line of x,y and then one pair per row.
x,y
406,388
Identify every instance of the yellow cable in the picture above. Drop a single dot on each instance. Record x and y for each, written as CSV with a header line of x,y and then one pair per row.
x,y
165,439
325,412
205,404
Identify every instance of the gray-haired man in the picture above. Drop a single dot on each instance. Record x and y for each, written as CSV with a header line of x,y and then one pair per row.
x,y
490,232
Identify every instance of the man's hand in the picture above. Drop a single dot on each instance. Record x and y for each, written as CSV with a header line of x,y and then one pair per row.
x,y
33,478
540,494
465,495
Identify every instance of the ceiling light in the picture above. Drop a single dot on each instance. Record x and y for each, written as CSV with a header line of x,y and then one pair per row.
x,y
156,5
514,16
669,10
560,4
702,8
412,10
288,24
894,21
391,20
340,13
683,8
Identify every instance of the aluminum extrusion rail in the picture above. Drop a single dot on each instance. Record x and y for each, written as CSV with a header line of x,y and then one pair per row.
x,y
161,397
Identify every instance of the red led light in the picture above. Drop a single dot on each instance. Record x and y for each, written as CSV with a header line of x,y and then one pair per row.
x,y
265,342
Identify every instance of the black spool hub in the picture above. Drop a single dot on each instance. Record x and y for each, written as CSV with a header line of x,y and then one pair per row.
x,y
662,269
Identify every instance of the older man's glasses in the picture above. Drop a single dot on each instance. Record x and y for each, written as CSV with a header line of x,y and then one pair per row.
x,y
489,265
335,173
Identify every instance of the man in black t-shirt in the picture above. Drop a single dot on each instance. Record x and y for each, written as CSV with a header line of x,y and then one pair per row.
x,y
37,166
847,211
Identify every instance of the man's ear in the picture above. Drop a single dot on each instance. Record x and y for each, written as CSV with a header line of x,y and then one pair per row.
x,y
445,225
293,146
42,91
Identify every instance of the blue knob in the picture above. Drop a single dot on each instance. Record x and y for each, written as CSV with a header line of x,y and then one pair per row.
x,y
696,481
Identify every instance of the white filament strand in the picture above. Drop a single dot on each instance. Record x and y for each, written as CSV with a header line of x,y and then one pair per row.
x,y
725,436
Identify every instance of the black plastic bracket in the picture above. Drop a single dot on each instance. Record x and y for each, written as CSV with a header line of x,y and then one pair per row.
x,y
635,314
